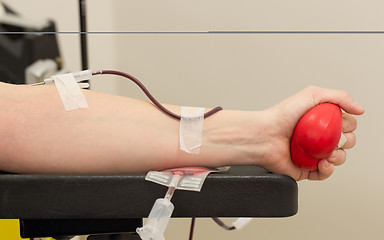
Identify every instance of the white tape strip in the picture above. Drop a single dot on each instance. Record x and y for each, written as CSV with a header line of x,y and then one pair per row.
x,y
70,92
191,129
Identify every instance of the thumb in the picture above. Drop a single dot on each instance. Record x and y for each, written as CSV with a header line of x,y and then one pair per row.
x,y
341,98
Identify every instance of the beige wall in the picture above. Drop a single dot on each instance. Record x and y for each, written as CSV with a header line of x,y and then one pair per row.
x,y
251,72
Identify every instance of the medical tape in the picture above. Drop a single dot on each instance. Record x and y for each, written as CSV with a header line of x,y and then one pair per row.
x,y
191,129
70,92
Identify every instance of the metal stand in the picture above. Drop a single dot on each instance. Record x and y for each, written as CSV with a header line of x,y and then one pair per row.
x,y
83,34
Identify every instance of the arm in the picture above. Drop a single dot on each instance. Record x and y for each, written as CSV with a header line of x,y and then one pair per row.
x,y
122,135
114,135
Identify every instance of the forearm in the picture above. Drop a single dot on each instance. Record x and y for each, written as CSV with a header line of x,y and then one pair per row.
x,y
114,135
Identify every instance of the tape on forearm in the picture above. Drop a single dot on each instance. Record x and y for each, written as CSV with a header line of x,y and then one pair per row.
x,y
191,129
70,92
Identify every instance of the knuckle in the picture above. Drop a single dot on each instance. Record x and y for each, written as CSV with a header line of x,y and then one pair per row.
x,y
312,88
342,158
344,94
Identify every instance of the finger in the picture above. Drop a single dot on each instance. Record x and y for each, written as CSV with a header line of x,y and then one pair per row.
x,y
349,123
351,140
325,171
337,157
295,172
341,98
303,175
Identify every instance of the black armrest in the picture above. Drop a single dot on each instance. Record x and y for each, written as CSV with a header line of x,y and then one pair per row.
x,y
240,192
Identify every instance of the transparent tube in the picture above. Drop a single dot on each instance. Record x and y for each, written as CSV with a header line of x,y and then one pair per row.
x,y
157,220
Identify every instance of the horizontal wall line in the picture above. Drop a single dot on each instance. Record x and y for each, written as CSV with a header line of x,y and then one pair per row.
x,y
197,32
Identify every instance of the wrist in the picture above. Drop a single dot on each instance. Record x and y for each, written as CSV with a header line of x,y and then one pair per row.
x,y
236,137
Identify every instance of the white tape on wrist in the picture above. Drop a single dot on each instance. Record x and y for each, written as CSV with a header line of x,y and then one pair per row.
x,y
191,129
70,92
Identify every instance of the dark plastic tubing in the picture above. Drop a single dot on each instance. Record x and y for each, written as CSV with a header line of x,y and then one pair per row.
x,y
149,95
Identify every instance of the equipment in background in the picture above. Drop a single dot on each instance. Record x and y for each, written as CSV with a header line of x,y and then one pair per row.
x,y
25,55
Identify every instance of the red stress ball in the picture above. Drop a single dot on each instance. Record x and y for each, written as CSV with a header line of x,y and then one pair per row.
x,y
316,135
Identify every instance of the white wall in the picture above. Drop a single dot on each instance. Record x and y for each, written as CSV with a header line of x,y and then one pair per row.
x,y
250,72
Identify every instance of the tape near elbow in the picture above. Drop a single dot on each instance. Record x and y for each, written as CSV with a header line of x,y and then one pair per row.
x,y
191,129
70,92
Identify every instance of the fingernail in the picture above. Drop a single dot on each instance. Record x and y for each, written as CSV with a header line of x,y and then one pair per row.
x,y
362,110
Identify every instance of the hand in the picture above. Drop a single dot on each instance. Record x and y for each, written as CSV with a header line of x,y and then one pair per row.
x,y
283,118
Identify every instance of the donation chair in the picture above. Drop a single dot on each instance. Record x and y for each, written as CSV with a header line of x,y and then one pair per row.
x,y
113,206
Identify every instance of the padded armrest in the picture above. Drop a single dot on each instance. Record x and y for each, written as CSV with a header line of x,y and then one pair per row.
x,y
240,192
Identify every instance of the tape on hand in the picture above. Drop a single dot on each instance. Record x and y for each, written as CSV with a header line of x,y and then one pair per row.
x,y
70,92
191,129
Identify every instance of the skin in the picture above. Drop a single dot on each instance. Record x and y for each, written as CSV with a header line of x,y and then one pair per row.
x,y
290,111
122,135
